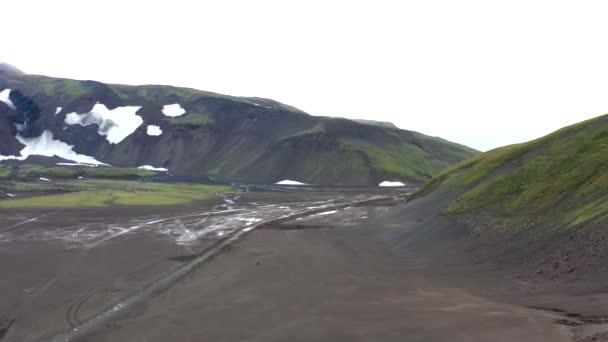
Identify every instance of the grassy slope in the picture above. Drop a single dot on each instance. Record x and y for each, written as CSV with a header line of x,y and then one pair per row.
x,y
397,156
560,179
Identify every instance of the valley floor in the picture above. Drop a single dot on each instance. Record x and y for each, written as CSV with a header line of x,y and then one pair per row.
x,y
324,280
328,276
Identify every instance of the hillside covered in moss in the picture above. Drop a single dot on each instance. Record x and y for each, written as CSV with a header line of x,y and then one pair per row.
x,y
559,181
230,138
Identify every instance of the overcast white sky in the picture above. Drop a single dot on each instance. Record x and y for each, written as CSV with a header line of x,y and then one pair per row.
x,y
482,73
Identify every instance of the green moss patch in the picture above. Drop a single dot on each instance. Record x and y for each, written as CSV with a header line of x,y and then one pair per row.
x,y
34,171
562,178
103,193
5,171
116,172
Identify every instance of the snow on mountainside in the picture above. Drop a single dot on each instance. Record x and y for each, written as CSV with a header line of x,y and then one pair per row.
x,y
289,182
154,130
152,168
173,110
4,98
46,146
192,132
389,184
115,124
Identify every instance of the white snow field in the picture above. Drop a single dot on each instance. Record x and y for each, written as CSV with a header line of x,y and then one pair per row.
x,y
154,130
115,124
387,183
4,98
11,158
173,110
152,168
289,182
45,145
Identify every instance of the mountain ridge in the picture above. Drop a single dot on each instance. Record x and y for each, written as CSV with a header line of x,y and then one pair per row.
x,y
233,138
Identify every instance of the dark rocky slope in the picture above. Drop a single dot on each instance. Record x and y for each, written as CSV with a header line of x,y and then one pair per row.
x,y
8,143
235,138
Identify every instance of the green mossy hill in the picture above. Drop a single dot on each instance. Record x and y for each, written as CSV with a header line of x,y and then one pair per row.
x,y
560,180
244,139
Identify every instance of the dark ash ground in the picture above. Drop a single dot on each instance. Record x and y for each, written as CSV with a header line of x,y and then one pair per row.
x,y
334,275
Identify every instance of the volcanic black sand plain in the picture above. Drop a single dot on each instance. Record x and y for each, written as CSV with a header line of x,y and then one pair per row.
x,y
326,270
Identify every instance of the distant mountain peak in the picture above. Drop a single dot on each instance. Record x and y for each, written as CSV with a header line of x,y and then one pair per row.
x,y
5,67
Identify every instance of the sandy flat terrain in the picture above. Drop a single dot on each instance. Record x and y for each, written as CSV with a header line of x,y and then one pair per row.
x,y
332,275
63,267
325,278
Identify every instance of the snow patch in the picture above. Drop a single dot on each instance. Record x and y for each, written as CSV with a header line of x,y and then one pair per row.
x,y
173,110
152,168
115,124
154,130
11,158
45,145
58,110
4,97
387,183
289,182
